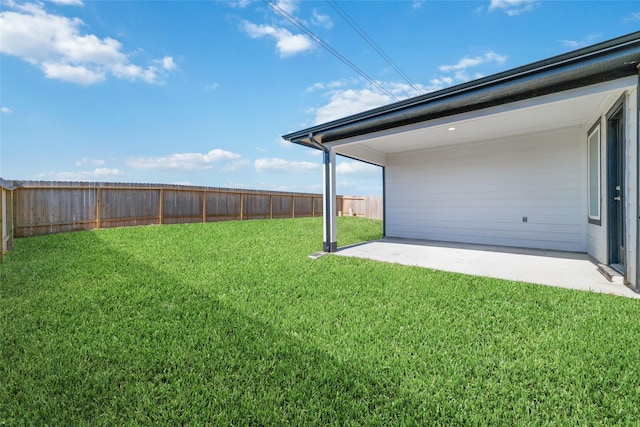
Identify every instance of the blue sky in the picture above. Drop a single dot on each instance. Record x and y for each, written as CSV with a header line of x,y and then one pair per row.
x,y
199,92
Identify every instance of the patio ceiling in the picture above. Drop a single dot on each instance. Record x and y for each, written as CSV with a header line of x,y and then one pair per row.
x,y
573,108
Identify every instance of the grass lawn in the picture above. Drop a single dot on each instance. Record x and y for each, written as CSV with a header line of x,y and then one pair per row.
x,y
232,324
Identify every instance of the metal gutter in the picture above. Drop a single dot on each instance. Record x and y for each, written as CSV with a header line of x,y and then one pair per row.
x,y
604,61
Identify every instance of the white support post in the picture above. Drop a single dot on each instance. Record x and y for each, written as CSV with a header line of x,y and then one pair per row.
x,y
329,200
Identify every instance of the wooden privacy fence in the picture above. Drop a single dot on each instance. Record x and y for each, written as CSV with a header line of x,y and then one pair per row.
x,y
365,206
33,208
56,207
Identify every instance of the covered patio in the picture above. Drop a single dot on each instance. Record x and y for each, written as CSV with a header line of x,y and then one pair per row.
x,y
541,156
543,267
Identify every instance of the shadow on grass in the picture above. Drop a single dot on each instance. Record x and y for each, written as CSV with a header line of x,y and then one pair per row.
x,y
103,338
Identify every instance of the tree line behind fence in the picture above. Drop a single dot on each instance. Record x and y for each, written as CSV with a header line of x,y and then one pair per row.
x,y
32,208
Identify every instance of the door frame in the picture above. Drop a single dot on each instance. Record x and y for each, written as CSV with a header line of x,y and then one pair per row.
x,y
616,215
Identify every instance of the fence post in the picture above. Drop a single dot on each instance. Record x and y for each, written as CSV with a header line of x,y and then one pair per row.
x,y
241,206
204,205
293,206
161,207
98,207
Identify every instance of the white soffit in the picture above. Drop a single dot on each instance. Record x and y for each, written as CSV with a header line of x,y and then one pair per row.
x,y
571,108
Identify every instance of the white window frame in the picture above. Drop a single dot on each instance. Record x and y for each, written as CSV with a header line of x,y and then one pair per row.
x,y
594,217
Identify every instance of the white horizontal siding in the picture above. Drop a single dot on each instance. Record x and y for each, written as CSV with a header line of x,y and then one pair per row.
x,y
479,193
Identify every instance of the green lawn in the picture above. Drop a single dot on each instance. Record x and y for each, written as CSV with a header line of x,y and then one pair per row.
x,y
232,324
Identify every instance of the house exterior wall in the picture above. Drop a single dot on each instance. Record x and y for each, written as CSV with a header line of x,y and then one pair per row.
x,y
480,192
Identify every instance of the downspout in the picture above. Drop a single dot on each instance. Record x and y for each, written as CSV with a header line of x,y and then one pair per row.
x,y
330,239
313,141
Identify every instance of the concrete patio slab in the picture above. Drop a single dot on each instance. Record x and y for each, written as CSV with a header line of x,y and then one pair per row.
x,y
553,268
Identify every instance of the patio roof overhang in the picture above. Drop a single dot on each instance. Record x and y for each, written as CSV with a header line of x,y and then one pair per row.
x,y
566,90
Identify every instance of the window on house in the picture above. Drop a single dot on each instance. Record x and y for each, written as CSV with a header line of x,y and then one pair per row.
x,y
594,174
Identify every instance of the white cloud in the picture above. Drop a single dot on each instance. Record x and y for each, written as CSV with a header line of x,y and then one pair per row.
x,y
513,7
633,17
241,3
575,44
71,73
465,63
417,4
6,110
107,172
350,101
99,174
183,161
460,69
330,85
314,87
287,44
441,82
57,45
344,102
211,87
288,6
261,186
404,90
167,63
321,20
463,76
86,161
68,2
571,44
282,165
150,74
234,165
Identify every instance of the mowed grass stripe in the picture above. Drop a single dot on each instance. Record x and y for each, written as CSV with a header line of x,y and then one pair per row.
x,y
231,323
